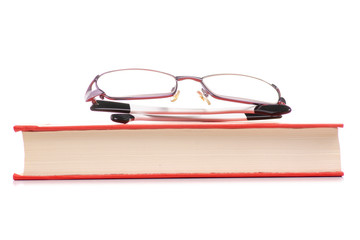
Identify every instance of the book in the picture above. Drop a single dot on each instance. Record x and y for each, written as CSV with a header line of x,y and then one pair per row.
x,y
182,150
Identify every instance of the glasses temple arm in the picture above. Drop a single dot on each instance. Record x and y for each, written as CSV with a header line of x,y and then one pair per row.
x,y
117,107
125,118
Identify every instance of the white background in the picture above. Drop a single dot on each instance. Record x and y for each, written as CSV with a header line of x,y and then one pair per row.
x,y
50,51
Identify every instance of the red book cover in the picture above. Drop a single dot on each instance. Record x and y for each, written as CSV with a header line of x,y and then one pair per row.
x,y
35,128
43,128
179,175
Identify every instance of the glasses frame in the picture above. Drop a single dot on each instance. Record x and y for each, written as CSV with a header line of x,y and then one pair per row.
x,y
256,110
90,94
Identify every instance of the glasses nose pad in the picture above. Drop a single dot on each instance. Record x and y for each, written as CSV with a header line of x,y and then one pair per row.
x,y
203,95
175,96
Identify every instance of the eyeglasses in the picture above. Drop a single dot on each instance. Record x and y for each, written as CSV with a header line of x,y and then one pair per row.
x,y
263,100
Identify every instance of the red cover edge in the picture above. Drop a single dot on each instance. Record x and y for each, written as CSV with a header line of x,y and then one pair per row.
x,y
35,128
180,175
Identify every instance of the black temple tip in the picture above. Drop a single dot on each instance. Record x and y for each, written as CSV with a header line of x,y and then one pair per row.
x,y
273,110
122,118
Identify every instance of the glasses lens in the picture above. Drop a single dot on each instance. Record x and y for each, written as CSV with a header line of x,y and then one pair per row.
x,y
241,88
136,83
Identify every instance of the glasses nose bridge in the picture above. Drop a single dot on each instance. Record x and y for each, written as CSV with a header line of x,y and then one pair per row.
x,y
181,78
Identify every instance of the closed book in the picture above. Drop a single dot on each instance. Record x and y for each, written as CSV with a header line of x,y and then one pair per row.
x,y
182,150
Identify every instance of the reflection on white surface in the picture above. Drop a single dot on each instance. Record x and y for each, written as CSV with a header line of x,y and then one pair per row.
x,y
182,181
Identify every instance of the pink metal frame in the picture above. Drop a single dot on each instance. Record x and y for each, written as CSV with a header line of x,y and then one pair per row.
x,y
97,92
